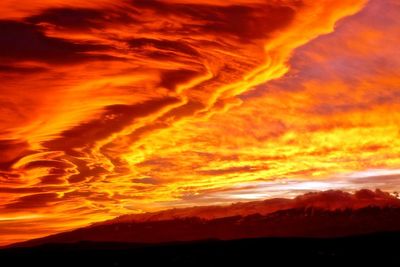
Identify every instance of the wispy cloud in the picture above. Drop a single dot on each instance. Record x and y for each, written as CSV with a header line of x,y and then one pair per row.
x,y
108,107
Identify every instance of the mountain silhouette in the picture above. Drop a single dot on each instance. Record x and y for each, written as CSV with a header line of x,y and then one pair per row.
x,y
329,200
324,214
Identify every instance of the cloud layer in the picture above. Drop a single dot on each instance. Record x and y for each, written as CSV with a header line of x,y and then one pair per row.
x,y
110,107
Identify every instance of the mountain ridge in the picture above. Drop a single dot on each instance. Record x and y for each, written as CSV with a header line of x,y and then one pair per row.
x,y
329,213
330,199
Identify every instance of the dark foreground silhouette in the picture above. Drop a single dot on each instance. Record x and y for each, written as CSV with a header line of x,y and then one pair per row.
x,y
325,229
377,249
303,222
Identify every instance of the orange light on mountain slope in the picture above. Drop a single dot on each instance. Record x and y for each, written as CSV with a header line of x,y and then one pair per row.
x,y
111,107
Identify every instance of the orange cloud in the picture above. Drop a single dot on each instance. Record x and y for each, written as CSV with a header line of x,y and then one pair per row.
x,y
109,107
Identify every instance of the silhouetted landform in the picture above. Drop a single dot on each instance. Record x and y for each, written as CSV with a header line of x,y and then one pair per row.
x,y
325,228
321,214
375,249
300,222
327,200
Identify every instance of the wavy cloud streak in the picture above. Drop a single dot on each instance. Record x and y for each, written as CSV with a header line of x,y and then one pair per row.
x,y
109,107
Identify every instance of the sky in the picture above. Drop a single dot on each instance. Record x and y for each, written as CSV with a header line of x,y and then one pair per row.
x,y
128,106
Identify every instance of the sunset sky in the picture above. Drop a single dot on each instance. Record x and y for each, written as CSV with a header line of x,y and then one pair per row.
x,y
111,107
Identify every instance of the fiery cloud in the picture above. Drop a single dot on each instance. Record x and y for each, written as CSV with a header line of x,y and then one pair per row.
x,y
111,107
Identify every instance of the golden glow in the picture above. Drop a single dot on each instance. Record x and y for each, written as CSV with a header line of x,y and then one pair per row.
x,y
112,107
